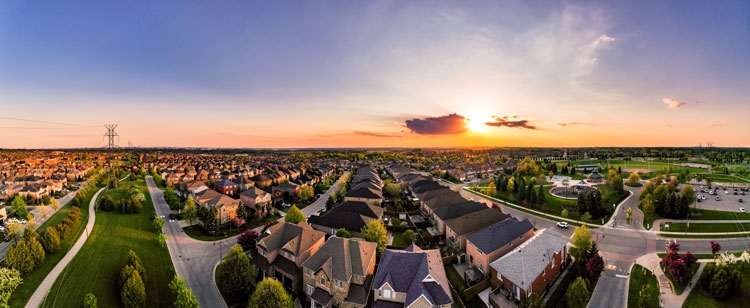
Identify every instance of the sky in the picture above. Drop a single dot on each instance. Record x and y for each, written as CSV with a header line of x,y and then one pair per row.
x,y
297,74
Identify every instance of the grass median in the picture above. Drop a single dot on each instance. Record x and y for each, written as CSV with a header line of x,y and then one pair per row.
x,y
642,284
96,268
706,227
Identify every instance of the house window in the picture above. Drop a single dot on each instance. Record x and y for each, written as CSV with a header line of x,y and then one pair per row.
x,y
309,289
499,277
322,280
387,294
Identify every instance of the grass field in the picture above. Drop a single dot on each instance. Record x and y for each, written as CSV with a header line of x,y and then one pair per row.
x,y
724,178
22,294
707,227
97,266
637,282
699,298
618,163
718,215
399,240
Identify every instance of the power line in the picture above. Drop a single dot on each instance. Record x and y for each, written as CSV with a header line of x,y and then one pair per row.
x,y
44,122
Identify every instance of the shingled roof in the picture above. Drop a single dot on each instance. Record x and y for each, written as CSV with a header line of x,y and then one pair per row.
x,y
525,263
290,237
416,273
340,258
475,221
499,234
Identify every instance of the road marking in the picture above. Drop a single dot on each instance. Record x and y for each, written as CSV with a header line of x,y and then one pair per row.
x,y
621,276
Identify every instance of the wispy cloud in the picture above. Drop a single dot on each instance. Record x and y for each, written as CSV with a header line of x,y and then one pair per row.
x,y
673,103
566,124
444,125
377,134
505,122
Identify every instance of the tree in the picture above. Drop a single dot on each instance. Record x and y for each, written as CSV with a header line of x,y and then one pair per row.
x,y
247,239
511,184
535,301
19,207
134,261
342,232
238,221
43,211
586,217
392,189
330,202
628,214
162,239
106,203
715,247
51,240
375,232
409,236
594,267
577,294
235,273
191,212
491,188
134,292
10,279
54,204
541,199
158,223
294,215
185,297
648,206
242,211
582,240
270,294
634,179
89,301
306,192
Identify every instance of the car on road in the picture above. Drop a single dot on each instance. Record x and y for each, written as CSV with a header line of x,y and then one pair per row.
x,y
563,224
742,210
740,200
717,198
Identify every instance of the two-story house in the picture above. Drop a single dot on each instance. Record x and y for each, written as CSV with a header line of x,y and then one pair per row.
x,y
281,250
493,242
411,278
340,273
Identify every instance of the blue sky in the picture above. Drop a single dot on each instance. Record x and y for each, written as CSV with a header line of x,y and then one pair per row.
x,y
337,73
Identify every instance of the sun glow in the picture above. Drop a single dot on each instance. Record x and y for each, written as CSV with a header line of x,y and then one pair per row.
x,y
478,124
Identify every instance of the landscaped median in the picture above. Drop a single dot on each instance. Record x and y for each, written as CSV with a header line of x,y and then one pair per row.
x,y
644,289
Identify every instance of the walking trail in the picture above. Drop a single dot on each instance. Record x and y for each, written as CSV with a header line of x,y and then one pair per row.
x,y
667,298
41,292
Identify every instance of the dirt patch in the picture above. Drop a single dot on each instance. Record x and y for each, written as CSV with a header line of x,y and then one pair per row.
x,y
637,170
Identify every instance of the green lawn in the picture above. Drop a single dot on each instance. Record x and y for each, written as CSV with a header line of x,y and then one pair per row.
x,y
22,294
712,236
196,231
723,178
399,240
707,227
699,298
678,287
456,279
96,268
701,255
700,214
637,281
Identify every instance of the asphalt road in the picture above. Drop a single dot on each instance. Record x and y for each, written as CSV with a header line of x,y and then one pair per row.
x,y
609,290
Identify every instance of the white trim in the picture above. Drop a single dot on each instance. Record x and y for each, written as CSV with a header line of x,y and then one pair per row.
x,y
422,296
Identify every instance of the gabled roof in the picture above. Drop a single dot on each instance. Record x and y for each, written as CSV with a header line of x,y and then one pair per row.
x,y
440,201
365,192
499,234
436,192
459,209
350,215
475,221
225,183
290,237
407,271
340,258
254,193
286,185
525,263
222,201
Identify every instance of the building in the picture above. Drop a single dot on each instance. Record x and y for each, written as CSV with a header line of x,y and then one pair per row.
x,y
340,273
350,215
595,177
226,187
411,278
281,250
458,228
531,267
493,242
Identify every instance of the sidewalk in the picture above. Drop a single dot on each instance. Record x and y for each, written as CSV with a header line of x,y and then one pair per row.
x,y
41,292
667,298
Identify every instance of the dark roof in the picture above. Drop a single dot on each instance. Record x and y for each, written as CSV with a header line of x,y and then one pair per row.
x,y
440,201
320,296
358,294
427,187
407,271
350,221
285,265
387,304
436,192
475,221
340,258
459,209
365,192
499,234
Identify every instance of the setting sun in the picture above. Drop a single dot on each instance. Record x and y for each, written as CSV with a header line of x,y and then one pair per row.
x,y
478,124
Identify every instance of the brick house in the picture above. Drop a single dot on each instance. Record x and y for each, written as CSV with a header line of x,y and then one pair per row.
x,y
493,242
226,187
411,278
281,250
458,228
340,273
531,267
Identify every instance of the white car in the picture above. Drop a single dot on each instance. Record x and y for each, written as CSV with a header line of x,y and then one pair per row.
x,y
563,224
742,209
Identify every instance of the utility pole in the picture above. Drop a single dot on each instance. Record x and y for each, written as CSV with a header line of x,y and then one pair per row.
x,y
111,134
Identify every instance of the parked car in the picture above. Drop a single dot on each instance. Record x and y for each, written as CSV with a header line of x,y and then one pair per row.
x,y
742,209
717,198
563,224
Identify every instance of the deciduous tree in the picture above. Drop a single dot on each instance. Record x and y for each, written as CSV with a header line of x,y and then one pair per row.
x,y
294,215
578,293
235,273
191,212
247,239
134,292
409,236
51,240
185,297
158,224
715,247
19,207
582,240
89,301
270,294
375,232
342,232
10,279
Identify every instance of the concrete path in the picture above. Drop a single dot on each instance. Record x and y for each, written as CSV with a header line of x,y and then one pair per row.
x,y
667,297
41,292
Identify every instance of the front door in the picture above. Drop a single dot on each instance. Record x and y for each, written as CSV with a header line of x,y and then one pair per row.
x,y
518,292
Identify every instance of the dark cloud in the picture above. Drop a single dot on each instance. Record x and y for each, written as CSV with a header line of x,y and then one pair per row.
x,y
565,124
444,125
376,134
503,121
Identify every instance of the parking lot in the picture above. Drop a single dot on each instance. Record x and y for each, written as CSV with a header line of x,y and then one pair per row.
x,y
728,201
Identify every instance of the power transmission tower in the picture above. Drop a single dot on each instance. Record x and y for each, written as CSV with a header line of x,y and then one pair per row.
x,y
111,134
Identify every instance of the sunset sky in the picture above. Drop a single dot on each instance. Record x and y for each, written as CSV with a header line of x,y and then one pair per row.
x,y
374,73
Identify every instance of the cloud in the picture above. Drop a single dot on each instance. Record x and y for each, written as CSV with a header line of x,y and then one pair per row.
x,y
503,121
444,125
673,103
566,124
377,134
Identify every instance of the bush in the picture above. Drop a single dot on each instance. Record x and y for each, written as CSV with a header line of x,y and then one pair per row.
x,y
107,204
51,240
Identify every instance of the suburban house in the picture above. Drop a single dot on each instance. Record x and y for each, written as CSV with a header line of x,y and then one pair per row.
x,y
340,273
256,199
493,242
532,266
350,215
365,194
458,228
226,187
226,207
262,180
282,249
288,191
191,189
443,214
34,191
438,199
411,278
203,196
